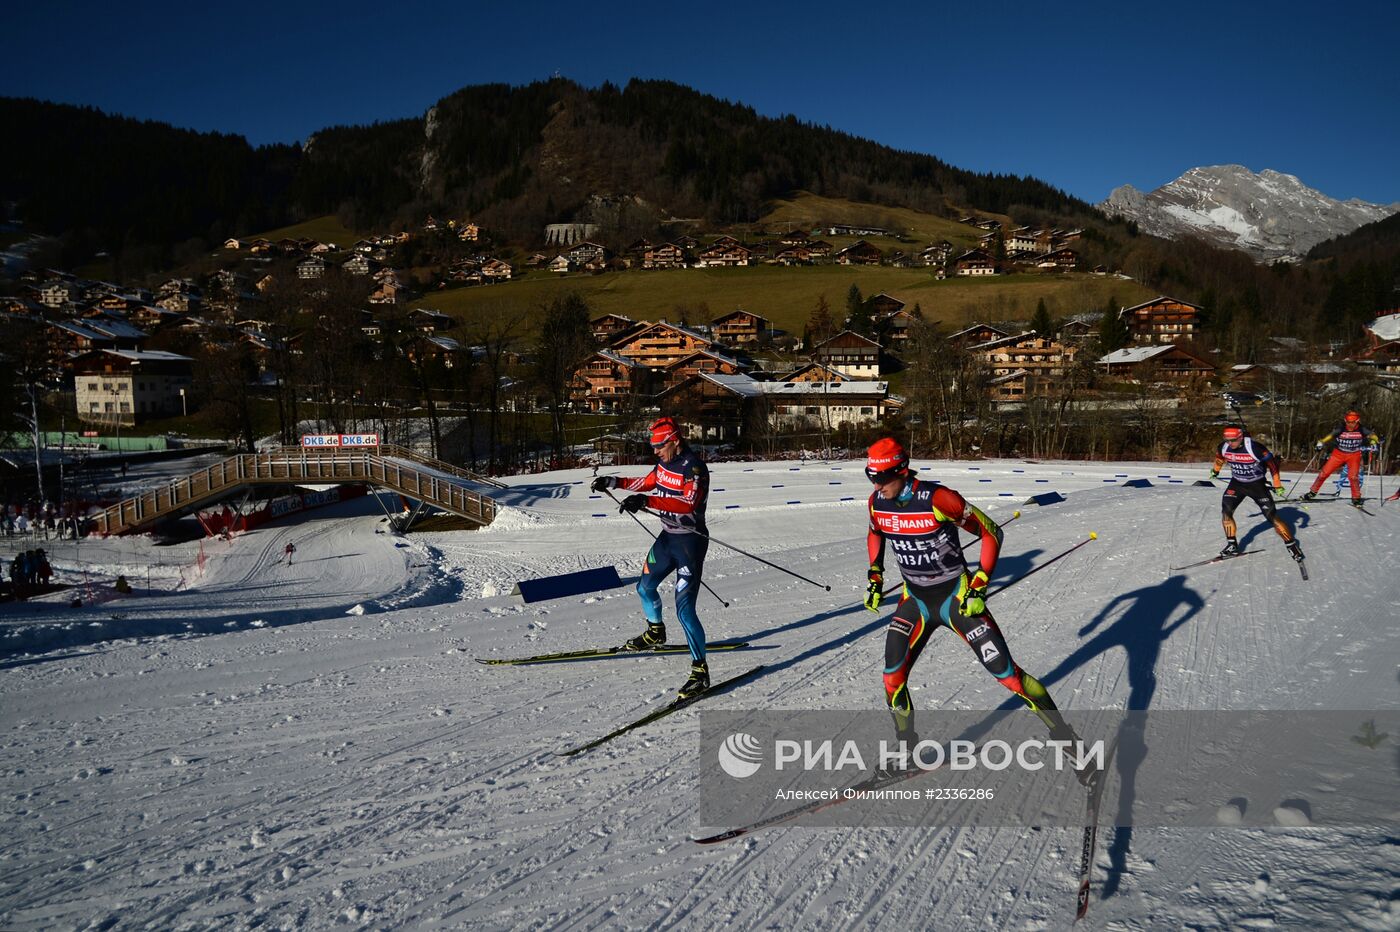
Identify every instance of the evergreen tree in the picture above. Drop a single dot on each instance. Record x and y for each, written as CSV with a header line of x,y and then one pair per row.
x,y
819,324
1113,333
565,341
858,313
1041,322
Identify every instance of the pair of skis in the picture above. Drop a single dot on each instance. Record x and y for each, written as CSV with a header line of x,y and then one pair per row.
x,y
1088,842
595,652
1221,558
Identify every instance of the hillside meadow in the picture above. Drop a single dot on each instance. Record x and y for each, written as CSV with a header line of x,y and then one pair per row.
x,y
786,296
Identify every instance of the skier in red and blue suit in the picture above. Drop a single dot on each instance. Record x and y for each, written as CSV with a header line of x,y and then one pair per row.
x,y
680,487
1249,462
1349,439
920,520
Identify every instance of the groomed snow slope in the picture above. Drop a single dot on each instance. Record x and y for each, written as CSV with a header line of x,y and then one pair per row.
x,y
242,752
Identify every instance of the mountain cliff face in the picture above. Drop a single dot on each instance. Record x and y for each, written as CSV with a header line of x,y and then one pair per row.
x,y
1269,215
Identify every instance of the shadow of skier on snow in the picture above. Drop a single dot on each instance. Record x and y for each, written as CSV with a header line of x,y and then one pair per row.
x,y
1145,624
1295,518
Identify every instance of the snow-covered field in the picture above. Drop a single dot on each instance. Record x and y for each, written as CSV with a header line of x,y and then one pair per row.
x,y
312,746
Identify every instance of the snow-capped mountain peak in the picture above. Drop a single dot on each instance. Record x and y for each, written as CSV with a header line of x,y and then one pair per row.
x,y
1269,214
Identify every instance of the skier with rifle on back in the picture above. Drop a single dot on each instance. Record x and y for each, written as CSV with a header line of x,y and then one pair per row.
x,y
920,520
1249,462
680,486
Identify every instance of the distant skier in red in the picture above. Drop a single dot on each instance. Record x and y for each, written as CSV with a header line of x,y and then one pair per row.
x,y
1349,439
288,550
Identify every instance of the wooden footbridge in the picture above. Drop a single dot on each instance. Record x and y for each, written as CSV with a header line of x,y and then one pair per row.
x,y
430,481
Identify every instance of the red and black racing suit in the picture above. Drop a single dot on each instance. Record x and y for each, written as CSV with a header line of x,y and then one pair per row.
x,y
1248,465
921,525
679,490
1346,452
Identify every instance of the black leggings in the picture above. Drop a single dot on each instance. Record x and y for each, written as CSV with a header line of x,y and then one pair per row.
x,y
1236,492
923,608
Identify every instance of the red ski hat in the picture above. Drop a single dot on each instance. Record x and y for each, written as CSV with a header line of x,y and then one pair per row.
x,y
1352,418
663,431
1232,433
886,460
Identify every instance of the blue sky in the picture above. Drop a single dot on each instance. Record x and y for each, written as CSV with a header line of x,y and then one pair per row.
x,y
1085,96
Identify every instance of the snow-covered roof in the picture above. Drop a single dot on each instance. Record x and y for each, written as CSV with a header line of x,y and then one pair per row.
x,y
1131,354
1386,327
116,329
149,355
751,388
621,359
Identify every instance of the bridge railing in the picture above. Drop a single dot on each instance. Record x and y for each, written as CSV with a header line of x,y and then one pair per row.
x,y
290,465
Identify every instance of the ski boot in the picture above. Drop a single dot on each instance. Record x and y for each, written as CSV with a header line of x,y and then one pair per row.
x,y
699,681
1232,548
894,768
1086,773
1357,503
1295,551
1308,496
653,636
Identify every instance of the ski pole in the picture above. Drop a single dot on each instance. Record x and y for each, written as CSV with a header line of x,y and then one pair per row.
x,y
898,585
716,540
1302,474
653,537
1240,415
1092,536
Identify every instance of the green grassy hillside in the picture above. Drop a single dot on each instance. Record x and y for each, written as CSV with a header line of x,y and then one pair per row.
x,y
327,229
786,296
803,211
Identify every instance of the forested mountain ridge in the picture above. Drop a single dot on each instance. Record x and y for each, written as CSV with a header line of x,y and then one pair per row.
x,y
633,159
514,158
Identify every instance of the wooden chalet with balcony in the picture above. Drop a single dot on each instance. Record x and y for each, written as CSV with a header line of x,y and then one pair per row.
x,y
665,256
726,252
1042,358
859,253
897,327
607,380
430,321
814,372
608,326
497,270
740,327
1058,260
794,254
658,345
975,262
1170,363
700,361
1162,320
883,305
586,253
977,333
850,354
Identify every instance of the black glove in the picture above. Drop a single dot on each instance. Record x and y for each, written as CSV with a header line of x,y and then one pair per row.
x,y
603,483
634,503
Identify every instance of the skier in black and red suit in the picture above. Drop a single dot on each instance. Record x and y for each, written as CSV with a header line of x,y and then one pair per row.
x,y
920,520
1249,462
680,487
1349,440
